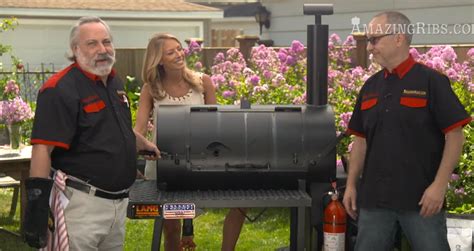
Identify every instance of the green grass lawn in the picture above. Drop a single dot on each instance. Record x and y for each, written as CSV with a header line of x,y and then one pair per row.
x,y
10,240
269,232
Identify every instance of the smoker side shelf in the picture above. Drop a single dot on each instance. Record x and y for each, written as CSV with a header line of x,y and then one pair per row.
x,y
145,192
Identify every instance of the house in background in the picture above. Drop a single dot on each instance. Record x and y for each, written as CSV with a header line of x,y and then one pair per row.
x,y
239,19
288,22
43,32
42,36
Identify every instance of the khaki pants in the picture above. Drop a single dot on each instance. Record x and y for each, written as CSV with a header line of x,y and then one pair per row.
x,y
94,223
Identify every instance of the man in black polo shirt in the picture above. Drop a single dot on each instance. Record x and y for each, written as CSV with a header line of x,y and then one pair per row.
x,y
407,124
83,131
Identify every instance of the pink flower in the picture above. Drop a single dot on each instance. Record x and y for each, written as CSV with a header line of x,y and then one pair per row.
x,y
335,38
345,118
290,61
12,88
198,66
300,100
254,79
349,147
194,47
297,46
219,58
470,53
262,88
237,67
282,56
15,111
228,94
448,54
278,80
218,79
452,74
470,87
339,164
267,74
349,41
454,177
460,191
414,53
438,63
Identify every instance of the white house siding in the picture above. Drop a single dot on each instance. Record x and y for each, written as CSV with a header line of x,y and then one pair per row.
x,y
288,22
37,41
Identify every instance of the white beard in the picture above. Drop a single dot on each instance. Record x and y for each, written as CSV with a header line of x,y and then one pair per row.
x,y
89,65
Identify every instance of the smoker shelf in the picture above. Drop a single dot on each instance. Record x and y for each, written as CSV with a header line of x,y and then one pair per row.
x,y
144,191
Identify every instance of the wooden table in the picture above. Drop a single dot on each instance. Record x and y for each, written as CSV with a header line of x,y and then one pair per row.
x,y
16,164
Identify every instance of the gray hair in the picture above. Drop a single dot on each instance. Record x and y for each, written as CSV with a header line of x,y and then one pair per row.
x,y
400,24
73,35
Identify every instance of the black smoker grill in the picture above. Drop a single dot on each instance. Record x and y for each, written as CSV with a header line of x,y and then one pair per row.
x,y
227,147
250,156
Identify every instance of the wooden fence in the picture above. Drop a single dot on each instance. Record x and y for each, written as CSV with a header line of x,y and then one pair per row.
x,y
130,61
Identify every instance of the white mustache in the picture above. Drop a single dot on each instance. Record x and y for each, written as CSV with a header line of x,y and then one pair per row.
x,y
105,56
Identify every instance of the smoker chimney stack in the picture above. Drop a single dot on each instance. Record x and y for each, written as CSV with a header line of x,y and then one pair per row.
x,y
317,51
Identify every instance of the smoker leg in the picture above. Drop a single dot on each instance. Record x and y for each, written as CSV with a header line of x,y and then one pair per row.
x,y
300,225
157,228
301,228
317,192
293,228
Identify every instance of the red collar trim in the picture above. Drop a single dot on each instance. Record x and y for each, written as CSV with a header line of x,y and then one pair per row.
x,y
92,76
402,69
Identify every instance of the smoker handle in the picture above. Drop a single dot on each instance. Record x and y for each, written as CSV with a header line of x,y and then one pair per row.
x,y
247,167
204,109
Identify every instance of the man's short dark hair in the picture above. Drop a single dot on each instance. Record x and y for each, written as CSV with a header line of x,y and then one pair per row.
x,y
399,22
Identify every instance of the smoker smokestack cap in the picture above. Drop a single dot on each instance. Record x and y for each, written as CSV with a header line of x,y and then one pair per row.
x,y
318,9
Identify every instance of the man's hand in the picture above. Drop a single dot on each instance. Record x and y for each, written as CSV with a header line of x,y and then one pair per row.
x,y
37,211
144,144
349,201
432,200
151,148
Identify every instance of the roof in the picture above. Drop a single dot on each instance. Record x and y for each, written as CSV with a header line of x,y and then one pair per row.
x,y
236,9
111,5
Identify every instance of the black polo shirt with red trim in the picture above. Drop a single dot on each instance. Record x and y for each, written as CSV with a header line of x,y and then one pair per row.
x,y
90,125
403,115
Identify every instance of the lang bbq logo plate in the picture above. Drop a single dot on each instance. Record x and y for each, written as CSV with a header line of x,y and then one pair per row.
x,y
179,211
145,211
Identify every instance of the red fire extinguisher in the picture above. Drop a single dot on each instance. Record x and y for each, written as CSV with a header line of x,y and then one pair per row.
x,y
334,227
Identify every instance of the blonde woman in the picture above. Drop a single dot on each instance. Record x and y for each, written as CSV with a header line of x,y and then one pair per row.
x,y
167,80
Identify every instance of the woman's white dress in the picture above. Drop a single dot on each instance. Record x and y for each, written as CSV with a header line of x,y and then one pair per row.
x,y
193,97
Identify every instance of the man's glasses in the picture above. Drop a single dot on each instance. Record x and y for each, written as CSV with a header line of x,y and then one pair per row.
x,y
375,40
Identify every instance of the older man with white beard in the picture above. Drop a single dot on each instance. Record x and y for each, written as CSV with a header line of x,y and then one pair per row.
x,y
83,139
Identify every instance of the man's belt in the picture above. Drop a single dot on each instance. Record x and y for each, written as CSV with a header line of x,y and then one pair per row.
x,y
94,191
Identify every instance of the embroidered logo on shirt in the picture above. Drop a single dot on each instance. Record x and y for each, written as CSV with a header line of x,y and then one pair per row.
x,y
414,93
